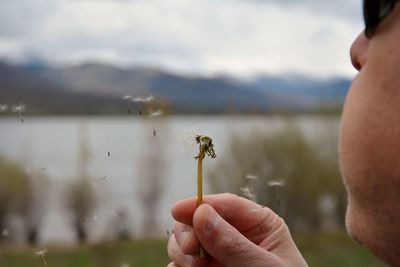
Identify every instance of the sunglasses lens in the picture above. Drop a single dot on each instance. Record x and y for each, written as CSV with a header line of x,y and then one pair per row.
x,y
374,12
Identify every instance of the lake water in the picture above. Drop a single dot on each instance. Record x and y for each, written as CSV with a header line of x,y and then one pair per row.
x,y
118,148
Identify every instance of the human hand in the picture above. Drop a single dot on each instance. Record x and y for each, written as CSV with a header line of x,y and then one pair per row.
x,y
234,231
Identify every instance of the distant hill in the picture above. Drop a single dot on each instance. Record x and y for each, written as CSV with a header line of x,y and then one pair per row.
x,y
94,88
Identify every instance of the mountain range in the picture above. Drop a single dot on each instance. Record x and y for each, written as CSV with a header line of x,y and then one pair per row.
x,y
94,88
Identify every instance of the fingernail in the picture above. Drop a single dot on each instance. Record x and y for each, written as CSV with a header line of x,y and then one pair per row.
x,y
212,220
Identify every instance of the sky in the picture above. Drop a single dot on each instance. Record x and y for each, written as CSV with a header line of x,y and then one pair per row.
x,y
202,37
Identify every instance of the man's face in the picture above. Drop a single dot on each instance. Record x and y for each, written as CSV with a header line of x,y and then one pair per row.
x,y
369,146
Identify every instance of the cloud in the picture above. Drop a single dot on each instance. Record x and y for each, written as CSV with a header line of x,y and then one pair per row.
x,y
209,36
345,9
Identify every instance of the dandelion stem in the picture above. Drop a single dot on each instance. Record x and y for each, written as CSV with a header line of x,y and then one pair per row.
x,y
200,188
199,181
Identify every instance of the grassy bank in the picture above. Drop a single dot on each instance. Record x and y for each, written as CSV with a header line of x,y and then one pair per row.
x,y
319,250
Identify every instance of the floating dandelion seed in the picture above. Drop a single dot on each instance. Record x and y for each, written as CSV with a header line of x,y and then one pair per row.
x,y
20,108
3,107
277,184
108,153
5,232
94,218
247,193
251,177
124,264
127,97
156,113
149,99
42,254
142,99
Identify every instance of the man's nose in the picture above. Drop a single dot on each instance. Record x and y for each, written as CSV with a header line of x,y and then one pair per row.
x,y
359,51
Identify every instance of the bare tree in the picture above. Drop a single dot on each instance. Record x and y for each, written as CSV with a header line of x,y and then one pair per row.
x,y
152,173
14,192
80,197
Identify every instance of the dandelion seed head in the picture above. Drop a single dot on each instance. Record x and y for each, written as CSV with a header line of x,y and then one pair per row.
x,y
205,145
277,183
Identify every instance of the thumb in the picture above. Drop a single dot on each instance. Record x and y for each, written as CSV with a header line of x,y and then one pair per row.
x,y
226,244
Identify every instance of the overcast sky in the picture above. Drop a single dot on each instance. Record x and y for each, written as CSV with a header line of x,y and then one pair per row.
x,y
208,37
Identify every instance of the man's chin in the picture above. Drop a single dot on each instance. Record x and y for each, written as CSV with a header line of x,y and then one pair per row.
x,y
362,231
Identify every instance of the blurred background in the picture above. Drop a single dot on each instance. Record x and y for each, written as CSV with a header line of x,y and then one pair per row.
x,y
99,101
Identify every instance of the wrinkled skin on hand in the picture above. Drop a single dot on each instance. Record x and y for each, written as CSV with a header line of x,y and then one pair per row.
x,y
234,231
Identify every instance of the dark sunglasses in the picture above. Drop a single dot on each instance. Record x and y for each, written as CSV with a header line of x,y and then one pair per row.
x,y
374,12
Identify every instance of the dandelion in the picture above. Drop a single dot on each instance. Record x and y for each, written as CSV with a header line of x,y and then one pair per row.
x,y
277,184
156,113
206,147
42,254
3,107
